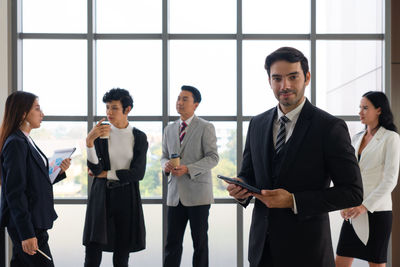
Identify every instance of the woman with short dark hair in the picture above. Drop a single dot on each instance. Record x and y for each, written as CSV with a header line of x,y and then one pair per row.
x,y
27,206
117,160
366,230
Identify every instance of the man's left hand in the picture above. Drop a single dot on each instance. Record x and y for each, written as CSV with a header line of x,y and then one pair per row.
x,y
180,170
277,198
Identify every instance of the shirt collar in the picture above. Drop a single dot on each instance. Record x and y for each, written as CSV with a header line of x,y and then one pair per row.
x,y
188,121
292,114
25,133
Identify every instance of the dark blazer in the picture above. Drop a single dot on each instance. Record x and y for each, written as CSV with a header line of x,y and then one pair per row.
x,y
319,151
97,227
27,193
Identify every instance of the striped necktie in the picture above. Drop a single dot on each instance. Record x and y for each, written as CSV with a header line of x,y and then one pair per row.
x,y
182,131
281,137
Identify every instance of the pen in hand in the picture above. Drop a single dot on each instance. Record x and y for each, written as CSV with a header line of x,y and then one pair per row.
x,y
44,254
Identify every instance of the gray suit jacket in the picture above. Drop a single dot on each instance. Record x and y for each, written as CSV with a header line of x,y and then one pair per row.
x,y
198,152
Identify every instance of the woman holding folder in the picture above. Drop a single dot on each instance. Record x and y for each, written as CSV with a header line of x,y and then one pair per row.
x,y
366,230
117,160
27,206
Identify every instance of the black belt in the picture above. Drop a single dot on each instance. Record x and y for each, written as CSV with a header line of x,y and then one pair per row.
x,y
115,184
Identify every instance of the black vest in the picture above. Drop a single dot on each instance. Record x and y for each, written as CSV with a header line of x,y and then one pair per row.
x,y
277,162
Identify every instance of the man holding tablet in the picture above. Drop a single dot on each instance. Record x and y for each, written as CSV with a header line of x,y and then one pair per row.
x,y
293,152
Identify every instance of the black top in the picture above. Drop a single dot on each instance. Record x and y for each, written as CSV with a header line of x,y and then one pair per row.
x,y
97,226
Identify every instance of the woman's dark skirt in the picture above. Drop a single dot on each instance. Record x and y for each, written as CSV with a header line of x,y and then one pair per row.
x,y
380,227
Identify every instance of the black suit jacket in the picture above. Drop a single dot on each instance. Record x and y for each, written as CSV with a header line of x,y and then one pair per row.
x,y
97,225
319,152
27,193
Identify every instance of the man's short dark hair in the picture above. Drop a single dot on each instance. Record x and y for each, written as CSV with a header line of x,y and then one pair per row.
x,y
196,93
121,95
288,54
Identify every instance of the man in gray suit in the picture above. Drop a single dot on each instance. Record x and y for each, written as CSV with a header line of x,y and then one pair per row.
x,y
190,190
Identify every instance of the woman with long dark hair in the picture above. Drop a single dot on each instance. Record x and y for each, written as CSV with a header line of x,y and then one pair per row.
x,y
27,206
366,229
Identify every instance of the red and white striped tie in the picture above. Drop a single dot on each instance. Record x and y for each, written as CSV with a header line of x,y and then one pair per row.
x,y
182,131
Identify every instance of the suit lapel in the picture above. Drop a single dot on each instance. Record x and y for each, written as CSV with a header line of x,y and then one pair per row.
x,y
358,144
296,139
47,160
174,137
190,130
36,156
372,143
268,123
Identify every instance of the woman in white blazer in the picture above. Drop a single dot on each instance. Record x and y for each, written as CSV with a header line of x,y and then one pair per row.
x,y
366,229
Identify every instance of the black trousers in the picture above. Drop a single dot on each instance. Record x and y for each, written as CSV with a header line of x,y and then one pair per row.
x,y
22,259
119,210
177,219
266,259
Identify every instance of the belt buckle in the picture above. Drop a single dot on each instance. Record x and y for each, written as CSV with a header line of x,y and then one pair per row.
x,y
112,184
115,184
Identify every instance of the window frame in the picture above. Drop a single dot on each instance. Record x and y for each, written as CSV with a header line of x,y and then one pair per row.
x,y
91,37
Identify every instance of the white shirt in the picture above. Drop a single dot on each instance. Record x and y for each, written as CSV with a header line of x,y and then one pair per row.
x,y
188,121
120,150
289,126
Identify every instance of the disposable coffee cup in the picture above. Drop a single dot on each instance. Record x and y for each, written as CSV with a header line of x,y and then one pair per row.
x,y
106,136
175,160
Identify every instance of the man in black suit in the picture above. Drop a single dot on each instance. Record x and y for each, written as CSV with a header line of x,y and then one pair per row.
x,y
293,152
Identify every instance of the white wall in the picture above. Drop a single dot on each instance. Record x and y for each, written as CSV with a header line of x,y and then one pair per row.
x,y
4,58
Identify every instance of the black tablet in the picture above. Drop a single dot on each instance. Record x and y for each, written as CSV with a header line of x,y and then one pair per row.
x,y
241,184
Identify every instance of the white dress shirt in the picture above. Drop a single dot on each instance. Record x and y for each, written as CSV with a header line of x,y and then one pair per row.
x,y
188,121
289,126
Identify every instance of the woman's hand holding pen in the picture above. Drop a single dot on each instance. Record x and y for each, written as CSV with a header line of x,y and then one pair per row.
x,y
30,246
97,131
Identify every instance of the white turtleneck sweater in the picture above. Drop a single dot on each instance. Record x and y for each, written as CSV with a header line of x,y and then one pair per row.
x,y
120,150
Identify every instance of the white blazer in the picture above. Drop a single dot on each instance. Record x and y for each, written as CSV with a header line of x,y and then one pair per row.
x,y
379,165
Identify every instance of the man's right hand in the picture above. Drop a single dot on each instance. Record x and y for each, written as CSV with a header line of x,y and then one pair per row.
x,y
237,191
30,246
168,167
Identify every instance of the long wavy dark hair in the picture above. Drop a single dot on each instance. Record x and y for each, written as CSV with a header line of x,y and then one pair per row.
x,y
379,100
18,104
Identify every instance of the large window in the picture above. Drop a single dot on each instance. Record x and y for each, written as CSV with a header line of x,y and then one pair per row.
x,y
70,52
